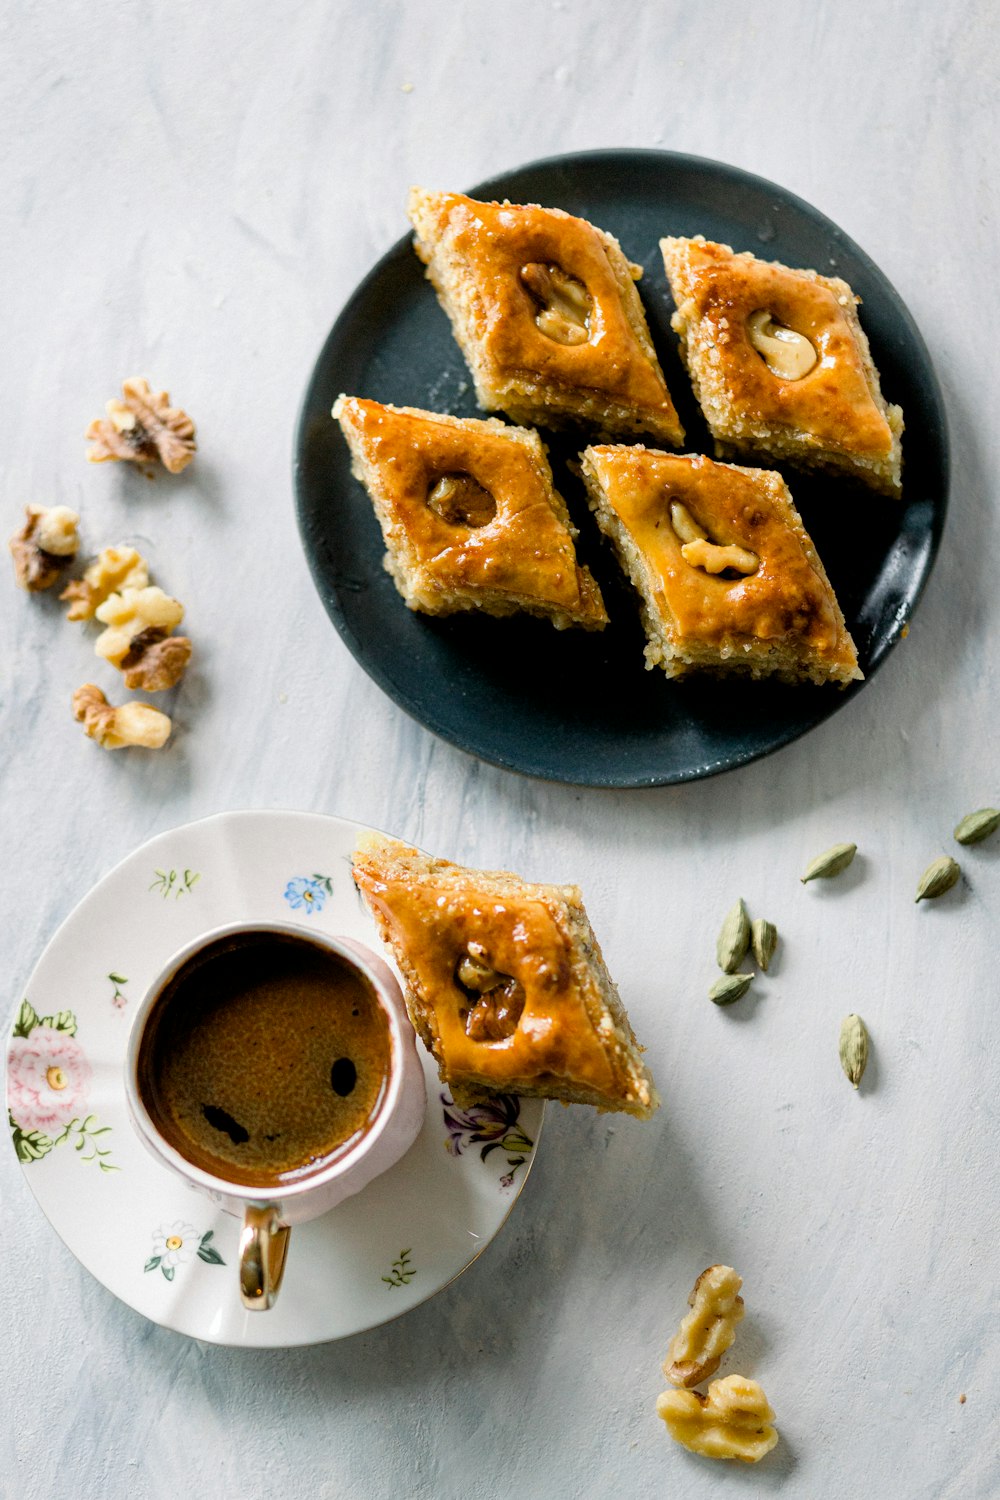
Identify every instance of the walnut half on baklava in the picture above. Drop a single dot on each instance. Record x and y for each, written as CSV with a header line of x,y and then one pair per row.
x,y
469,514
504,980
544,308
727,576
781,365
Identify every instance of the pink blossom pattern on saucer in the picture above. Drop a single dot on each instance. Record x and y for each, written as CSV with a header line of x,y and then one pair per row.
x,y
48,1078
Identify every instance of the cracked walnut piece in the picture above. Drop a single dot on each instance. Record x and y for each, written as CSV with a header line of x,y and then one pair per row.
x,y
732,1421
155,661
45,544
137,724
113,569
131,614
708,1329
142,428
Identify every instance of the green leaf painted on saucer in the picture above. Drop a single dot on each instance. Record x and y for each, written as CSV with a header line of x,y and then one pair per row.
x,y
63,1020
27,1020
174,883
30,1145
402,1272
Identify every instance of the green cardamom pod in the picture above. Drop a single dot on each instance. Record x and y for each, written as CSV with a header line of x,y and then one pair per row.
x,y
831,862
764,940
978,825
853,1048
729,988
734,939
938,878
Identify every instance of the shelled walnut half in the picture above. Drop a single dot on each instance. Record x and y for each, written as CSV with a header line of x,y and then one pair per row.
x,y
138,724
141,428
732,1421
46,543
708,1330
130,611
113,569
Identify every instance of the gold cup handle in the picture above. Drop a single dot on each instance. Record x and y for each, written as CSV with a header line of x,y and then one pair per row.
x,y
263,1247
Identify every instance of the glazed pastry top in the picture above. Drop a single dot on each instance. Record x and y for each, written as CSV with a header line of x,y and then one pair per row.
x,y
475,502
745,515
433,919
510,252
833,401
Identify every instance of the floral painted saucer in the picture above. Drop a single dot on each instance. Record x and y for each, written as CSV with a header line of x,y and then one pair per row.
x,y
162,1248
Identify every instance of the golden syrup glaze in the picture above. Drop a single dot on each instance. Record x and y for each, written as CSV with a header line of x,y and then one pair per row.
x,y
432,922
719,289
786,598
526,549
494,241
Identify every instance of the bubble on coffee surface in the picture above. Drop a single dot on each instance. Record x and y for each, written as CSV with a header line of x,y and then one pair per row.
x,y
222,1120
343,1077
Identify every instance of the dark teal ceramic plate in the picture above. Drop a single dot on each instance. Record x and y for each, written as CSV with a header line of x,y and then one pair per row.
x,y
578,707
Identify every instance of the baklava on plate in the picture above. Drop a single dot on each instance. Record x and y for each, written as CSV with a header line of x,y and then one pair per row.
x,y
781,365
727,576
544,308
469,514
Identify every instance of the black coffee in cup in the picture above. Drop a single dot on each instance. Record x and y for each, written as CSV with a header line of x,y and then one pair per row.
x,y
264,1058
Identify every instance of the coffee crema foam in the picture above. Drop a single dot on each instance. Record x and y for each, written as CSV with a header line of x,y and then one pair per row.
x,y
265,1058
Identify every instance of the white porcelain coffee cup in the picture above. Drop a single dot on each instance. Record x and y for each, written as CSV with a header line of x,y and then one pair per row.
x,y
268,1214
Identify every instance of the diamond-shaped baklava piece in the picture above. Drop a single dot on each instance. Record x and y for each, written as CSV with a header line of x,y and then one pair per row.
x,y
781,364
469,514
505,981
545,310
727,575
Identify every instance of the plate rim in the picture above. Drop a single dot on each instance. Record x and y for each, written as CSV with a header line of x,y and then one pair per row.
x,y
423,713
223,816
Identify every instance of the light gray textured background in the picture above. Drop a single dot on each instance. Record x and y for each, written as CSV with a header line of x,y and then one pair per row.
x,y
190,192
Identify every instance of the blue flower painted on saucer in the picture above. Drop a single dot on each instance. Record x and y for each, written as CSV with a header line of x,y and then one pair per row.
x,y
308,892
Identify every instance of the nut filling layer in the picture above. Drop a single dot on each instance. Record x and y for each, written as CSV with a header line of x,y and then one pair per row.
x,y
564,304
499,998
787,354
461,500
